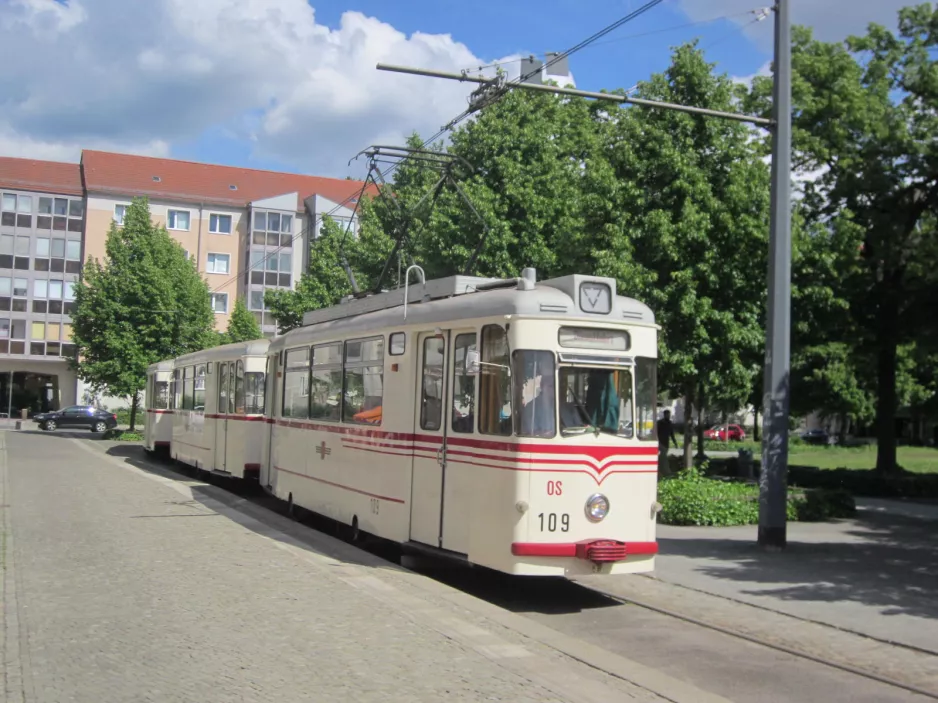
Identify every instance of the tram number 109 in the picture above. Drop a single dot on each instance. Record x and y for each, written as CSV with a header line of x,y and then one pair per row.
x,y
553,521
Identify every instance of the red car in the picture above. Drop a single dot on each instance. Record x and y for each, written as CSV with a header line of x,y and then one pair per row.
x,y
736,433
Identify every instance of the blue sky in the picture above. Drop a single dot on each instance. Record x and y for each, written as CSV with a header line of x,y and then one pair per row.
x,y
290,84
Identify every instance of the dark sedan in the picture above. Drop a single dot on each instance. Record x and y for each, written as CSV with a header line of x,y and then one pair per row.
x,y
77,416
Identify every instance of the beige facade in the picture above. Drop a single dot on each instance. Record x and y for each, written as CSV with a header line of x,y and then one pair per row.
x,y
214,236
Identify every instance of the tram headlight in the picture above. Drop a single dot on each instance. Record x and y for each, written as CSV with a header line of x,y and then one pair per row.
x,y
597,507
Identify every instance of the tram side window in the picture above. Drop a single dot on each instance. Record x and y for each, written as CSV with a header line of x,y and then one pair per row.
x,y
198,400
646,398
534,393
223,387
239,388
363,385
254,392
431,384
464,385
188,387
495,383
177,388
160,394
325,386
295,382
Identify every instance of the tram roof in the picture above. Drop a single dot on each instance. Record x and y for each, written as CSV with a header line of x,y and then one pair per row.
x,y
165,365
257,347
554,298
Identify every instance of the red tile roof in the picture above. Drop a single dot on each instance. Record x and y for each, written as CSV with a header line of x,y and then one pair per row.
x,y
188,181
41,176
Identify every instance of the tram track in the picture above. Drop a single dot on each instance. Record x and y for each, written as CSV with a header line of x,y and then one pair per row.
x,y
562,604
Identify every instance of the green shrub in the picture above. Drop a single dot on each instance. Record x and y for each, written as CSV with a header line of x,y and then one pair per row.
x,y
865,482
121,436
691,498
817,505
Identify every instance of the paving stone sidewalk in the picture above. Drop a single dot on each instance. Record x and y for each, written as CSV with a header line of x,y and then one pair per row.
x,y
119,585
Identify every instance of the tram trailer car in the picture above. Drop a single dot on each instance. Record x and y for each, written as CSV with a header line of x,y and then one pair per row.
x,y
158,430
510,422
218,408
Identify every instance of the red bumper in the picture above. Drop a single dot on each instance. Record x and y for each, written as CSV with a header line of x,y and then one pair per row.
x,y
596,550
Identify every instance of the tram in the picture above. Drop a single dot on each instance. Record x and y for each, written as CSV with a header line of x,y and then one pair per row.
x,y
218,408
506,422
159,421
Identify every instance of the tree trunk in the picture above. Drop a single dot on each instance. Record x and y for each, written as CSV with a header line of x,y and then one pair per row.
x,y
688,427
755,423
724,418
842,429
888,325
133,410
700,438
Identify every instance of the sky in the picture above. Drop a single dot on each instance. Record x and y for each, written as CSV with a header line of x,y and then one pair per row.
x,y
291,85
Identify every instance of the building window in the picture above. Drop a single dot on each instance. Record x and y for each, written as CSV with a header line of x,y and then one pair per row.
x,y
220,302
178,219
40,288
218,263
257,300
119,212
219,224
272,228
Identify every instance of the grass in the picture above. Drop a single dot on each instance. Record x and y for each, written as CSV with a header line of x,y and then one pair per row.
x,y
923,460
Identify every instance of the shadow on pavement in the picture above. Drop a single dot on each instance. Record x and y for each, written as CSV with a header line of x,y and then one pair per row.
x,y
541,595
887,561
269,516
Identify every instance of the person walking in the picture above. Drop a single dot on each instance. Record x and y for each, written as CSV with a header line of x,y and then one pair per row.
x,y
665,437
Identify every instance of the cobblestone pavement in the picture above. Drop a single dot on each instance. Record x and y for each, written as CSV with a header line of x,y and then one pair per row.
x,y
123,586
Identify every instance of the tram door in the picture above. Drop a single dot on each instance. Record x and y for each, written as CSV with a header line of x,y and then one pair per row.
x,y
426,505
225,388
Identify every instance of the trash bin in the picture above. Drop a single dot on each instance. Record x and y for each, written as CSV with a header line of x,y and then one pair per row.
x,y
745,463
23,413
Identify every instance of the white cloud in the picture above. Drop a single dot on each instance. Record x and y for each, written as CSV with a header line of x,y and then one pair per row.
x,y
137,76
831,20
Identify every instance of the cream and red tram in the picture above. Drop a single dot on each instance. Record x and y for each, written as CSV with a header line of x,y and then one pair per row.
x,y
510,421
218,408
158,429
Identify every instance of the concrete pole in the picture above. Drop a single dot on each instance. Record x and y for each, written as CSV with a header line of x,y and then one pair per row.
x,y
773,489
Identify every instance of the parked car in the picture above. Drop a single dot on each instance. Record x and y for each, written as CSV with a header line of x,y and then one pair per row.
x,y
736,433
77,416
816,437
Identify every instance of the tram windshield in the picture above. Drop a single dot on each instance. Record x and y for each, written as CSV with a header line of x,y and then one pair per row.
x,y
590,399
596,399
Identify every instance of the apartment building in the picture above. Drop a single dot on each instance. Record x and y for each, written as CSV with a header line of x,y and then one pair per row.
x,y
248,230
42,216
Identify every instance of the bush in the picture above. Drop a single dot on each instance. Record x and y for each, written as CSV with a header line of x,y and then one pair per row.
x,y
121,436
865,482
817,505
690,498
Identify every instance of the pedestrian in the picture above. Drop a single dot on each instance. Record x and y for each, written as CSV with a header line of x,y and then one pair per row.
x,y
665,437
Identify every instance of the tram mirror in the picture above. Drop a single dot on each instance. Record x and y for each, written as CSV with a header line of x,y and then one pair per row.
x,y
473,362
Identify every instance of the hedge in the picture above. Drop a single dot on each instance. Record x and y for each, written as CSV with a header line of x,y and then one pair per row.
x,y
691,498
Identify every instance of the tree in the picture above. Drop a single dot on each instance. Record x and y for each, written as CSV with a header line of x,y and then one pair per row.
x,y
242,326
691,214
864,121
143,303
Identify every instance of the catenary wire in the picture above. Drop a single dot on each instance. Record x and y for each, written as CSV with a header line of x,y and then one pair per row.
x,y
451,124
614,40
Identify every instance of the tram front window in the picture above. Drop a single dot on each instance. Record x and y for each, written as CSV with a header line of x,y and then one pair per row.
x,y
596,400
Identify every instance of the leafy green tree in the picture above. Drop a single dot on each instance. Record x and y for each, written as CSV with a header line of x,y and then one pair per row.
x,y
691,221
242,326
143,303
864,121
